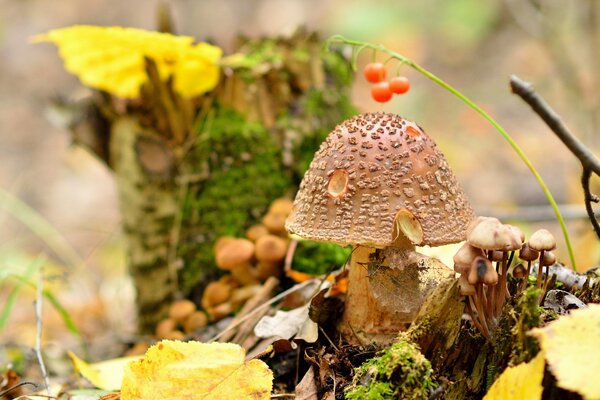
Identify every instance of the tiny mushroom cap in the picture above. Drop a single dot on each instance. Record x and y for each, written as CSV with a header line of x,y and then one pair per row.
x,y
256,231
527,253
465,256
181,309
519,271
548,259
482,271
466,289
376,179
282,205
275,222
270,248
490,234
542,240
497,255
233,253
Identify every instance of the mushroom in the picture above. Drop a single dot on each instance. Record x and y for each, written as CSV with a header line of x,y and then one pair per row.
x,y
542,241
491,235
527,254
464,257
235,256
379,183
181,309
256,231
270,252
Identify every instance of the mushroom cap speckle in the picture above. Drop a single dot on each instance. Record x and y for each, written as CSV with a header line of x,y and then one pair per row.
x,y
370,170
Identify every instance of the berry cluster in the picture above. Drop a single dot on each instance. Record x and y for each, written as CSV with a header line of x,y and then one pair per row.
x,y
382,90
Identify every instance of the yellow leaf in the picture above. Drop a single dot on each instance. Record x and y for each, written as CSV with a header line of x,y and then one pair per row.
x,y
194,370
106,375
521,382
112,58
572,348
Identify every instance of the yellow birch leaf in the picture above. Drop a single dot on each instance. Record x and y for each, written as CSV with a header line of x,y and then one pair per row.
x,y
521,382
105,375
194,370
572,348
112,58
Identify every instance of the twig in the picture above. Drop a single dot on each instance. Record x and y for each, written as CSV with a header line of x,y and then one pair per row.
x,y
588,160
18,385
589,198
526,91
38,327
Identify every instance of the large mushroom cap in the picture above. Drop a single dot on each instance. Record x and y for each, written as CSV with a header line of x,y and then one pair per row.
x,y
378,174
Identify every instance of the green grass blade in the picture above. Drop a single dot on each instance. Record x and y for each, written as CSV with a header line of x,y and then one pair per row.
x,y
41,227
32,268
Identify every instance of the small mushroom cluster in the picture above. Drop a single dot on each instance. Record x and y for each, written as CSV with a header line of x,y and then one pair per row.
x,y
489,241
250,261
183,318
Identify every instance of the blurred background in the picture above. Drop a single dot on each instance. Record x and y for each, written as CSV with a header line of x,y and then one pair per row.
x,y
473,45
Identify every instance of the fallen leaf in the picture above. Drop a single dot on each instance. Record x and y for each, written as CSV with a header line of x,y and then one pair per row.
x,y
307,388
194,370
521,382
105,375
112,58
572,348
288,324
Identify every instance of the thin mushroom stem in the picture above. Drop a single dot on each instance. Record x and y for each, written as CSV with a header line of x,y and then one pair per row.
x,y
538,282
475,317
501,290
479,295
526,277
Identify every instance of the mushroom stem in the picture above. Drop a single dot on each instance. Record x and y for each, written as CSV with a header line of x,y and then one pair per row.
x,y
386,288
538,282
501,286
475,317
479,296
525,278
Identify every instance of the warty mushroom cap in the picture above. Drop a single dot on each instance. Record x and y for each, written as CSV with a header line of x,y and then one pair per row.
x,y
542,240
490,234
377,176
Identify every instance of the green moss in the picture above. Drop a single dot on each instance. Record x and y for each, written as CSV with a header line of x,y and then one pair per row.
x,y
319,258
244,176
527,314
399,372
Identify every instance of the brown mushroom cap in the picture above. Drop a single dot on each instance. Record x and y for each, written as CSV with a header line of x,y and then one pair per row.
x,y
549,258
181,309
274,222
482,271
256,231
490,234
519,271
371,169
465,256
542,240
234,253
527,253
466,289
282,205
270,249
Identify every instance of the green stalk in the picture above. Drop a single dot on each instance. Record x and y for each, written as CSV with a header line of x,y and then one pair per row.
x,y
470,103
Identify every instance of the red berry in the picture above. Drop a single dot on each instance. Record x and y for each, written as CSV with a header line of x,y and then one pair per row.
x,y
374,72
381,92
399,84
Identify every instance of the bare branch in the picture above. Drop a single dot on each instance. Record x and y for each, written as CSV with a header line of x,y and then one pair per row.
x,y
525,90
589,199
